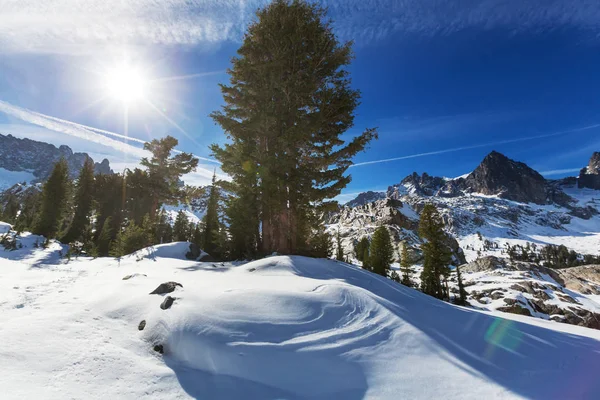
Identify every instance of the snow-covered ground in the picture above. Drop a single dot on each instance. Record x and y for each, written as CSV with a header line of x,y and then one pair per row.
x,y
281,327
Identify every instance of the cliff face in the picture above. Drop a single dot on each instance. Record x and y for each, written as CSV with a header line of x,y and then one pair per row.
x,y
589,177
512,180
39,157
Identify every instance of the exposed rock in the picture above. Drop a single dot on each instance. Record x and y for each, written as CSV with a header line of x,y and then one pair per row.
x,y
584,279
194,252
499,175
166,287
159,348
167,303
365,198
488,263
589,177
206,258
515,309
142,325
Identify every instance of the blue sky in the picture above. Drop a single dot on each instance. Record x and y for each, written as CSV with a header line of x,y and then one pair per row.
x,y
446,82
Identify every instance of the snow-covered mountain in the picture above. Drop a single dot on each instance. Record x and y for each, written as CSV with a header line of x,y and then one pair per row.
x,y
281,327
500,205
29,160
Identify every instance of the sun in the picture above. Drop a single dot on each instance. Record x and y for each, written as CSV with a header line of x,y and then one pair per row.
x,y
126,83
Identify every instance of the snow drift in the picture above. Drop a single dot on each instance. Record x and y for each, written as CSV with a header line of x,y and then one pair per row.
x,y
281,327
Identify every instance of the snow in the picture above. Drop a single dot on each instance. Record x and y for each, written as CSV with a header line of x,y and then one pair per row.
x,y
280,327
9,178
4,227
193,216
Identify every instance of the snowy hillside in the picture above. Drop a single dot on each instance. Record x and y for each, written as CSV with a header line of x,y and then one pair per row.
x,y
281,327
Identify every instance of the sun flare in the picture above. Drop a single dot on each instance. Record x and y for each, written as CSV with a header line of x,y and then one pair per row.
x,y
126,83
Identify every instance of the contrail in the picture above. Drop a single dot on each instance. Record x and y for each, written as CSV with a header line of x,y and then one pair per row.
x,y
79,130
476,146
560,171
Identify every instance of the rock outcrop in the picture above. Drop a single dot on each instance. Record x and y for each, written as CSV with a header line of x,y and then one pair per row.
x,y
166,287
589,177
508,179
365,198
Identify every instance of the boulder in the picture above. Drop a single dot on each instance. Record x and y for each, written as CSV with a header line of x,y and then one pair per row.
x,y
166,287
159,348
194,252
142,325
167,303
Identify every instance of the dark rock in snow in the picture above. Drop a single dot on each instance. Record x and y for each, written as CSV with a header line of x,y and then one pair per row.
x,y
167,303
194,252
142,325
159,348
166,287
206,258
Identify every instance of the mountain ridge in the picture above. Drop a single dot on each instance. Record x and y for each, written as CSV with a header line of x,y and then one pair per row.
x,y
39,157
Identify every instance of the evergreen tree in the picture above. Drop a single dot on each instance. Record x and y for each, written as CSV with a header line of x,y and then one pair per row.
x,y
212,225
103,243
381,251
129,240
29,209
110,198
164,231
165,171
181,227
362,245
198,234
10,210
436,255
405,266
288,103
84,198
462,293
53,201
340,250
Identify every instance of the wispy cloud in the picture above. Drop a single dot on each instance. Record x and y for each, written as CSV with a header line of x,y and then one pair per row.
x,y
367,20
560,171
129,154
477,146
67,25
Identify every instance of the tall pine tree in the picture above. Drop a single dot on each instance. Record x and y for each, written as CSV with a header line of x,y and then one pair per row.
x,y
165,171
55,195
462,293
339,254
436,254
181,227
381,251
84,198
212,225
405,266
288,103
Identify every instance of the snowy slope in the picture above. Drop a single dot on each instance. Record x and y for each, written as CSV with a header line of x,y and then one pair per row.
x,y
281,327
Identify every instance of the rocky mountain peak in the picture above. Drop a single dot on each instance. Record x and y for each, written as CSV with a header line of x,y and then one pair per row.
x,y
509,179
589,177
594,165
365,198
39,157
